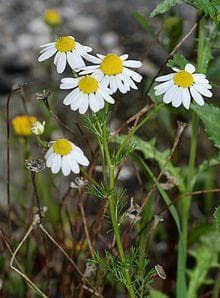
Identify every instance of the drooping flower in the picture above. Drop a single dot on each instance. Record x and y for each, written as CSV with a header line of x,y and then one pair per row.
x,y
66,156
114,71
22,124
52,17
88,92
179,87
66,50
38,128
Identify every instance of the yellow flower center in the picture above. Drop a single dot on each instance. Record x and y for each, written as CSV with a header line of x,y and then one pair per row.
x,y
65,44
62,147
52,17
23,124
183,79
88,85
111,65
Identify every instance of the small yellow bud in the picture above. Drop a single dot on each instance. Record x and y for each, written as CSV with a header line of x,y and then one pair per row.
x,y
52,17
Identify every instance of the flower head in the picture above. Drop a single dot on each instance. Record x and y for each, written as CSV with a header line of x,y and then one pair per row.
x,y
52,17
113,70
66,50
179,87
38,128
22,125
66,156
88,92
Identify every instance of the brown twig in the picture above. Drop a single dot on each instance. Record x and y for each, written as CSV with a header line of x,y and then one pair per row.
x,y
91,249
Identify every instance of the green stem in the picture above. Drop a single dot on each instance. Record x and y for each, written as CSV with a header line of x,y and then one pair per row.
x,y
111,200
186,203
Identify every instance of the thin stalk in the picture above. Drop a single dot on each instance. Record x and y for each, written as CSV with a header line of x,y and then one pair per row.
x,y
185,206
111,200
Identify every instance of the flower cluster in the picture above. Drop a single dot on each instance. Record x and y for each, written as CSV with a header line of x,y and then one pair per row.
x,y
95,84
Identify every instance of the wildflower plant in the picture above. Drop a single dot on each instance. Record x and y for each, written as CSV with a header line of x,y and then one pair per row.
x,y
104,228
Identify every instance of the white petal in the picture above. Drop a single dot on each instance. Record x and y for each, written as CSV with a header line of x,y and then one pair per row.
x,y
113,84
65,166
80,158
196,96
76,102
190,68
106,81
132,63
71,96
121,87
165,78
177,100
135,76
56,58
100,56
73,164
83,107
93,103
47,54
199,76
61,62
164,87
124,57
75,60
170,94
175,69
56,164
48,44
200,80
205,85
50,159
68,83
82,49
186,98
49,151
106,96
92,59
204,91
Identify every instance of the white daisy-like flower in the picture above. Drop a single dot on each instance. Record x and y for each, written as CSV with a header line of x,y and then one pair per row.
x,y
88,92
114,71
66,156
179,87
66,50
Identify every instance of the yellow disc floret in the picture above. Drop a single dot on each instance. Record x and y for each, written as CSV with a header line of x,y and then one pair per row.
x,y
62,147
183,79
88,85
65,44
111,65
22,124
52,17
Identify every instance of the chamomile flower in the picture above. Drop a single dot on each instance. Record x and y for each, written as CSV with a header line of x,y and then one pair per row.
x,y
66,156
22,124
88,92
114,71
179,87
66,50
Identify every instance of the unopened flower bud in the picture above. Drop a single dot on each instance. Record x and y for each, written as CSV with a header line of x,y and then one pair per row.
x,y
38,128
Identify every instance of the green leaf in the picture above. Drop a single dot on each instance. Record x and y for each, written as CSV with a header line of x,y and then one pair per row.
x,y
178,60
210,116
217,217
142,21
206,255
157,294
165,6
150,152
207,7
